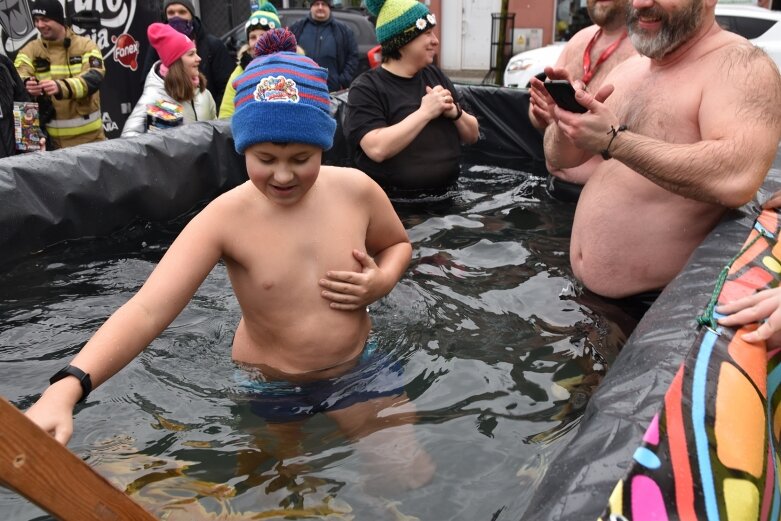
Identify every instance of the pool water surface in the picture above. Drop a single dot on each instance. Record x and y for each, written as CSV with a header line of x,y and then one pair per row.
x,y
500,355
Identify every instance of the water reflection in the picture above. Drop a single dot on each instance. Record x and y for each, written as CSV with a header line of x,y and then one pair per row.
x,y
501,354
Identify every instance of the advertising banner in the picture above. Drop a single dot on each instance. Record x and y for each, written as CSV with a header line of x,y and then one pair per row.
x,y
120,34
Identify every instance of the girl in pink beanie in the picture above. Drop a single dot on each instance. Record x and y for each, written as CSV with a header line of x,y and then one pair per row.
x,y
173,81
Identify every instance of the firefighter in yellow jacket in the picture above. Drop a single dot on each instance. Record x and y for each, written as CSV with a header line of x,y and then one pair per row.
x,y
63,70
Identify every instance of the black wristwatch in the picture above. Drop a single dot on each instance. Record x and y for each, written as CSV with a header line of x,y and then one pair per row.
x,y
459,111
84,379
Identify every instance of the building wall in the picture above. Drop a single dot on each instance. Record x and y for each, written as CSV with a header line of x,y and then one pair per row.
x,y
535,13
528,14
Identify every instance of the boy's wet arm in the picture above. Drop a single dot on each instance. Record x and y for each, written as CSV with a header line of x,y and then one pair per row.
x,y
385,228
386,239
165,293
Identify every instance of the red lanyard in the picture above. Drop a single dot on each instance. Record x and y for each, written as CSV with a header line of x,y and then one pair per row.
x,y
588,70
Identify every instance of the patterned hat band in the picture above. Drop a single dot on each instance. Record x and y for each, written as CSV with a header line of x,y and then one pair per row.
x,y
260,23
401,39
424,23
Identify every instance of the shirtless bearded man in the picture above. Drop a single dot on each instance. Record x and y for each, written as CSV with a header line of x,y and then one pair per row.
x,y
702,112
589,56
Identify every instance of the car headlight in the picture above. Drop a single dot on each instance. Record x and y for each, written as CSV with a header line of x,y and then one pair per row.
x,y
520,64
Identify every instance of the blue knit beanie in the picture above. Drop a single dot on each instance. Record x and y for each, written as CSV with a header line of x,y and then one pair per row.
x,y
282,97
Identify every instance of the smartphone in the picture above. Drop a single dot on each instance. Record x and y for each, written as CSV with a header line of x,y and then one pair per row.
x,y
563,94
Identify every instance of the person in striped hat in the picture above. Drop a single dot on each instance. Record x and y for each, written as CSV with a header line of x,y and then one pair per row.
x,y
307,249
405,120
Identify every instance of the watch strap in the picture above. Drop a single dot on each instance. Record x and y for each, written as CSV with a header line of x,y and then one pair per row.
x,y
459,111
81,376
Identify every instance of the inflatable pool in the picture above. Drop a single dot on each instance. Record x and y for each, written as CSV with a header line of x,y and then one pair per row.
x,y
659,439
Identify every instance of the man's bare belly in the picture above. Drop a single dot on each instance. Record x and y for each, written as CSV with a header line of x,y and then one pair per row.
x,y
631,235
316,343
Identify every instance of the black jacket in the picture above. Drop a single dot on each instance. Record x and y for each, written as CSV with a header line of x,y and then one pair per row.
x,y
11,89
216,63
331,44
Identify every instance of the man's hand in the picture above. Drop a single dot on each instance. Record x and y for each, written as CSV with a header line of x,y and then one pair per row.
x,y
589,131
350,290
764,307
50,87
33,87
542,103
560,73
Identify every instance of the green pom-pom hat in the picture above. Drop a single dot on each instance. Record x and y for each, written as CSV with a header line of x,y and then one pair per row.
x,y
400,21
266,17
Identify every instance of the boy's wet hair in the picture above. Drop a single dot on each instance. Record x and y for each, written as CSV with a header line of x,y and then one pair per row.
x,y
282,97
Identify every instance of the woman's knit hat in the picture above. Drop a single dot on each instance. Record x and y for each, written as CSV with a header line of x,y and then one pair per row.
x,y
169,43
282,97
266,17
400,21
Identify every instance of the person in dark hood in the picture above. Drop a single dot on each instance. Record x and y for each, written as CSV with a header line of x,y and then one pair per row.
x,y
328,42
11,89
216,62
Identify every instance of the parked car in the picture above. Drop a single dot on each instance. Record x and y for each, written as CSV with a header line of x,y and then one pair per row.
x,y
360,24
759,25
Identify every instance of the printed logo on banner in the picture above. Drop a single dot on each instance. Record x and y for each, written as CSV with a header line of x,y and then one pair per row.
x,y
126,51
109,124
17,23
115,19
116,16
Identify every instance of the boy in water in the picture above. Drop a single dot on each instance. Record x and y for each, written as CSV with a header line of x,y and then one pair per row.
x,y
307,248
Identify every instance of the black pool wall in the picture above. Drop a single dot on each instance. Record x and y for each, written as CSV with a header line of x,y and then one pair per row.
x,y
95,189
579,480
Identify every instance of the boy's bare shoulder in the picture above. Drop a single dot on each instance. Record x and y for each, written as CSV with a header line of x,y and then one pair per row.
x,y
235,201
351,180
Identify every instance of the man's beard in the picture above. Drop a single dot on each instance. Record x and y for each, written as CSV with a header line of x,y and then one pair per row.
x,y
676,29
606,15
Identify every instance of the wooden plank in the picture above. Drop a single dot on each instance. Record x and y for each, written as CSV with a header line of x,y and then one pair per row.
x,y
38,467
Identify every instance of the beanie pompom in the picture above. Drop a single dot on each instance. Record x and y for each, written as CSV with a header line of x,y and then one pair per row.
x,y
268,7
374,6
282,86
277,40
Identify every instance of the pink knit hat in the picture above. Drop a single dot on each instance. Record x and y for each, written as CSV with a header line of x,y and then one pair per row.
x,y
169,43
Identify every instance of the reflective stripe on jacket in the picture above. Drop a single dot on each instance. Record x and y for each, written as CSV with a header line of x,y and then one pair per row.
x,y
78,70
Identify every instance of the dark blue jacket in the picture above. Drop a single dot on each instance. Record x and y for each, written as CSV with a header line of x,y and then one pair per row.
x,y
331,44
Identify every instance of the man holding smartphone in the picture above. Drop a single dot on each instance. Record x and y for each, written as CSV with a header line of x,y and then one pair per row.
x,y
588,56
687,129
